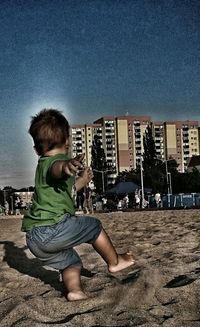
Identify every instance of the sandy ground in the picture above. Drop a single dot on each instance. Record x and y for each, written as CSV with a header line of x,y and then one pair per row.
x,y
161,290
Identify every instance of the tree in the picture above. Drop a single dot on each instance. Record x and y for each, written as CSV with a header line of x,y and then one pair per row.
x,y
129,176
99,165
149,155
188,182
169,167
153,176
154,169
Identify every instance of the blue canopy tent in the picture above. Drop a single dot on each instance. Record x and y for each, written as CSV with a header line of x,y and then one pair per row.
x,y
126,187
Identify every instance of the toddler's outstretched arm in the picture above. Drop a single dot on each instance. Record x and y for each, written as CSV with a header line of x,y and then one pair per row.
x,y
61,168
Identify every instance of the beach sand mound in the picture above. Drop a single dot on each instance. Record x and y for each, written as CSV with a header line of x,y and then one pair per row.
x,y
162,289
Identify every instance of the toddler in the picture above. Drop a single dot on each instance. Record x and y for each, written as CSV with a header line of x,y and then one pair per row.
x,y
52,229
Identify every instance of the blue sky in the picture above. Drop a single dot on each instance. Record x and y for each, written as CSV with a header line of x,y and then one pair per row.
x,y
91,59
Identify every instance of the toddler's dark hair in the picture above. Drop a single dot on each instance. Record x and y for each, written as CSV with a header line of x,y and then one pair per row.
x,y
49,129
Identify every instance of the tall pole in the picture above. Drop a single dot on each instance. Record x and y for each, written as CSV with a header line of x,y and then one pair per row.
x,y
142,181
168,191
103,184
102,177
12,205
4,196
170,183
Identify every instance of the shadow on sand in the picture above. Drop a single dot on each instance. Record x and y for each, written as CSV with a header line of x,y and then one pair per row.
x,y
16,258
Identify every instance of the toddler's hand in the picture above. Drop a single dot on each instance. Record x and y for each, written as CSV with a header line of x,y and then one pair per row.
x,y
86,175
72,166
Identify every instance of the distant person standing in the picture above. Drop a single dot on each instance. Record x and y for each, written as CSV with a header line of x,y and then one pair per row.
x,y
6,208
145,201
88,205
137,200
80,200
126,201
157,198
104,202
120,205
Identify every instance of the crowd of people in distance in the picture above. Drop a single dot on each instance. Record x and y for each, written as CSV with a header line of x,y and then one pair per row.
x,y
87,201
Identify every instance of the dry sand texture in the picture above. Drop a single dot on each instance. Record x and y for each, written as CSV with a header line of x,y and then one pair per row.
x,y
162,289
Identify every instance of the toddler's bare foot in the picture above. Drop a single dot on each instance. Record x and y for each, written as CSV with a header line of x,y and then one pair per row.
x,y
124,261
76,296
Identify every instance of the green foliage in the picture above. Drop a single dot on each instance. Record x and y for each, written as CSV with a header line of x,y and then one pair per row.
x,y
153,175
155,172
129,176
186,182
156,178
27,189
1,198
149,155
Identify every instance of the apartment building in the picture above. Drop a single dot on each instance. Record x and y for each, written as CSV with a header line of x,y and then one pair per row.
x,y
159,139
181,141
109,144
129,135
122,141
81,139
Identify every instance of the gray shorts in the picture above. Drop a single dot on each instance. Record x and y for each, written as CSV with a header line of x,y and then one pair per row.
x,y
54,244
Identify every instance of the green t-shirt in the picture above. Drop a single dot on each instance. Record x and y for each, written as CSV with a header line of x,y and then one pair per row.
x,y
52,197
